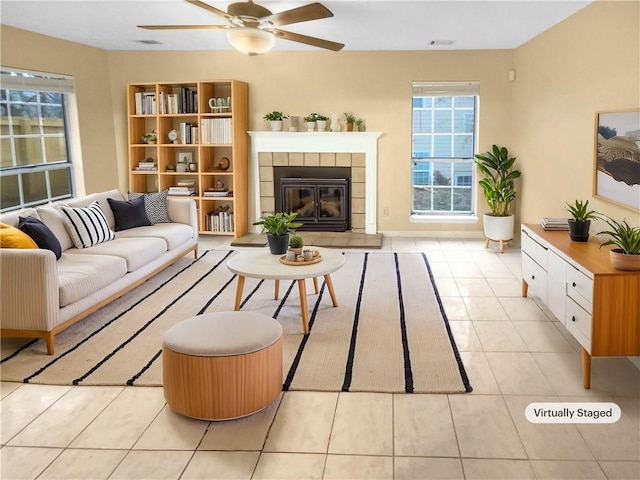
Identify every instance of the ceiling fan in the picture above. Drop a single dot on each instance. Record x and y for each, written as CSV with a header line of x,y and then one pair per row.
x,y
252,28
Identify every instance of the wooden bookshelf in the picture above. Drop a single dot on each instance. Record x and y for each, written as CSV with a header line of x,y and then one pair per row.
x,y
184,107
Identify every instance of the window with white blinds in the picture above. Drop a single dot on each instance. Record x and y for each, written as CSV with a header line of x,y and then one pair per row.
x,y
443,138
35,163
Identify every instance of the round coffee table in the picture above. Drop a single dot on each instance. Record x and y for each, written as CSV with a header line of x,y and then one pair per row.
x,y
262,264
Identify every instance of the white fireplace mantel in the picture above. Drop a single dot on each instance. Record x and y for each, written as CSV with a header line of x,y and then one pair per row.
x,y
331,142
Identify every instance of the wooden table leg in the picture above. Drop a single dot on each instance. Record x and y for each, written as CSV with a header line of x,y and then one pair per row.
x,y
302,288
315,284
327,279
586,369
525,288
239,289
276,292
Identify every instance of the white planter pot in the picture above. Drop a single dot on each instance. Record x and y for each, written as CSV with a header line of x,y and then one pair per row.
x,y
322,125
498,228
276,125
310,126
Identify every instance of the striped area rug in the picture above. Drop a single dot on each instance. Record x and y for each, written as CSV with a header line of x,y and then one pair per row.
x,y
388,334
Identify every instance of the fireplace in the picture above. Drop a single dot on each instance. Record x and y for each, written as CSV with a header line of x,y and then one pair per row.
x,y
320,196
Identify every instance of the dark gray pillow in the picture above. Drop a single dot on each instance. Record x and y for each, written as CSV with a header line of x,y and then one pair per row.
x,y
41,234
129,214
155,205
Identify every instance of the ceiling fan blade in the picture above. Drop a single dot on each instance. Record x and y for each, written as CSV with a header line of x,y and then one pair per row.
x,y
185,27
209,8
316,42
313,11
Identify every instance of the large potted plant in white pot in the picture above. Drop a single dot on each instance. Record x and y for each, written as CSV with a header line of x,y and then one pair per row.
x,y
279,226
499,189
275,119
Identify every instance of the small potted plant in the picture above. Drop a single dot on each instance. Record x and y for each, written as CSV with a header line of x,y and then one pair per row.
x,y
499,189
349,120
279,226
360,124
295,244
626,255
275,120
580,220
310,121
321,122
150,137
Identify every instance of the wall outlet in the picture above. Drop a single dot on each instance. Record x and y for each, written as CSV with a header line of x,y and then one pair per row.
x,y
385,211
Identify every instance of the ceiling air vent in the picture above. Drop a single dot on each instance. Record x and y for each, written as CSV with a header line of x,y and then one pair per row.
x,y
148,42
441,42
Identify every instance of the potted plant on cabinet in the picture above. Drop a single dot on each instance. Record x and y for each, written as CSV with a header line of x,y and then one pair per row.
x,y
279,226
310,121
275,120
321,122
580,220
349,120
150,137
626,255
499,189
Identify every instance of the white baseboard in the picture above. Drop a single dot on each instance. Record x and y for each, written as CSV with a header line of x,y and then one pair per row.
x,y
433,234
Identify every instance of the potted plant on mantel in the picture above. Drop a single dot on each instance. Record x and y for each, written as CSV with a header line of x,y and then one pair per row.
x,y
499,189
580,220
627,240
279,226
275,119
349,120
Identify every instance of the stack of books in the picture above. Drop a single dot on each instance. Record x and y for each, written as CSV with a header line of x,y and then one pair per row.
x,y
216,192
147,165
219,222
550,223
184,188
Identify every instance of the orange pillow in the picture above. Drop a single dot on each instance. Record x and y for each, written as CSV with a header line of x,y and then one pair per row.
x,y
12,237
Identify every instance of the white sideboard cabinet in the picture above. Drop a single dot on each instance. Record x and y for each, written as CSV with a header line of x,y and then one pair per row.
x,y
599,305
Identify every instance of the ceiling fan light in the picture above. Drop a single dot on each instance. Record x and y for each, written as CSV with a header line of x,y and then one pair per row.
x,y
251,41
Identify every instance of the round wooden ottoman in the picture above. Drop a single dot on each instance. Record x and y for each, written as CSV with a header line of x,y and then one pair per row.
x,y
220,366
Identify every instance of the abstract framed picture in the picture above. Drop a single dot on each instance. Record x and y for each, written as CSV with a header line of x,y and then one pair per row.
x,y
616,176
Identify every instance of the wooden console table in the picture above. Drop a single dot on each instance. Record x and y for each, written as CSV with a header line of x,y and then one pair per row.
x,y
599,305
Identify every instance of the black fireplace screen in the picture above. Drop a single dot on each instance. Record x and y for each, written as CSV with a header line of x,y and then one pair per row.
x,y
321,203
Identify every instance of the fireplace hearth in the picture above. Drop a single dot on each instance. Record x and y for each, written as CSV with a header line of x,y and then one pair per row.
x,y
320,196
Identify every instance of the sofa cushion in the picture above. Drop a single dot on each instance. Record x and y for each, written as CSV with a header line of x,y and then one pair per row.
x,y
101,198
52,217
138,252
12,237
87,225
174,234
11,218
41,234
129,213
155,204
81,275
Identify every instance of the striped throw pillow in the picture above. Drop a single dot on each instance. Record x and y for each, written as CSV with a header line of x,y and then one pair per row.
x,y
87,226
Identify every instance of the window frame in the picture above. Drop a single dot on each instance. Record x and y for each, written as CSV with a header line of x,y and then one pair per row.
x,y
15,80
444,89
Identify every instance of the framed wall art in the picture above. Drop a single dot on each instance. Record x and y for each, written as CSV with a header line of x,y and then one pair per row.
x,y
616,175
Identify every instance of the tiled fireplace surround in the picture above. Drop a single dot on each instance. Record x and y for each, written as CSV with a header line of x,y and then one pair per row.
x,y
316,149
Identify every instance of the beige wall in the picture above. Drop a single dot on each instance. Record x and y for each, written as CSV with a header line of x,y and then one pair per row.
x,y
588,63
30,51
376,86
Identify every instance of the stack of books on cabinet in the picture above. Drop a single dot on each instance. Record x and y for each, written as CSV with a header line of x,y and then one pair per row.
x,y
550,223
205,122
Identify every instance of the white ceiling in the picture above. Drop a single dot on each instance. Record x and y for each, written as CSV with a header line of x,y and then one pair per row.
x,y
359,24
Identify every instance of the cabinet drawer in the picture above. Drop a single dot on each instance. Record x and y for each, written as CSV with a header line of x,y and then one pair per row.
x,y
578,322
557,267
580,287
535,251
556,298
535,277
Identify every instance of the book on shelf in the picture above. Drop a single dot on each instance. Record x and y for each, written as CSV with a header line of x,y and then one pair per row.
x,y
220,222
216,131
208,193
554,223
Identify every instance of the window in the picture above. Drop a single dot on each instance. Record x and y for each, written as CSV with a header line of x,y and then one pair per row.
x,y
443,146
35,164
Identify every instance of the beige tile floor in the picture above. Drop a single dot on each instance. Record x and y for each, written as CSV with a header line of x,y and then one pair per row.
x,y
514,353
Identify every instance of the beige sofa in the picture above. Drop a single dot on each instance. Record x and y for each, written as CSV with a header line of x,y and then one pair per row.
x,y
40,296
